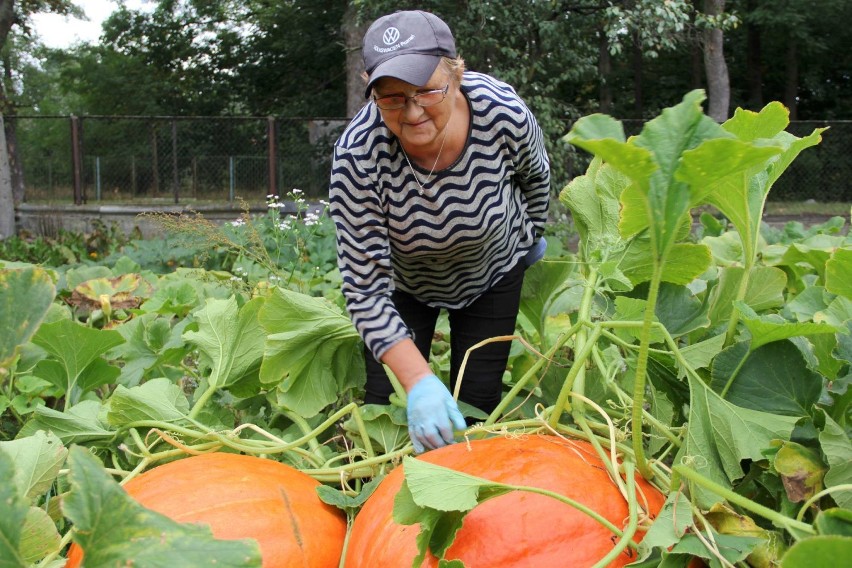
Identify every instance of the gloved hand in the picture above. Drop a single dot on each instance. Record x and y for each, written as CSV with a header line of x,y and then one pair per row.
x,y
432,415
536,253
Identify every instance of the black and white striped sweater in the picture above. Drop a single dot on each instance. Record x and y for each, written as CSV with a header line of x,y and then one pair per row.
x,y
474,221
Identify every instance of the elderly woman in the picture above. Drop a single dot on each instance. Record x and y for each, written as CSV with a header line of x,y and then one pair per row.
x,y
439,192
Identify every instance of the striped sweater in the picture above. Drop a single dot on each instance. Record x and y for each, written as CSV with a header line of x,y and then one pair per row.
x,y
474,221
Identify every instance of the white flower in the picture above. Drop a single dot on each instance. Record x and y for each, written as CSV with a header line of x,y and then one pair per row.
x,y
238,223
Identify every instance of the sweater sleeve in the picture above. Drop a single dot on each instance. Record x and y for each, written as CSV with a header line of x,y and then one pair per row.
x,y
363,254
533,173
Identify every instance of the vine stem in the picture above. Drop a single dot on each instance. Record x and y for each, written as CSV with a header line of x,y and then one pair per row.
x,y
778,519
641,371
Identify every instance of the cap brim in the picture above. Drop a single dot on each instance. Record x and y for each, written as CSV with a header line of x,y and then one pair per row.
x,y
413,68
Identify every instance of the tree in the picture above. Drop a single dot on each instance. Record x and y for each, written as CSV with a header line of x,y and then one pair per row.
x,y
11,178
718,81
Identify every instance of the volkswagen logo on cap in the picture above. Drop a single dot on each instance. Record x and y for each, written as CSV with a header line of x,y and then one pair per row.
x,y
391,36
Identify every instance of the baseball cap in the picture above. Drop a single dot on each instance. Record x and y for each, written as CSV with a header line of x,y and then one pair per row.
x,y
406,45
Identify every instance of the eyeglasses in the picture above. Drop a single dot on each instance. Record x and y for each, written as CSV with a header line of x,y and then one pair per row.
x,y
423,98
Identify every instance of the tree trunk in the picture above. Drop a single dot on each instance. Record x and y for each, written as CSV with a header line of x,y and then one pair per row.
x,y
638,73
7,199
7,204
791,85
718,81
353,35
754,67
7,108
604,72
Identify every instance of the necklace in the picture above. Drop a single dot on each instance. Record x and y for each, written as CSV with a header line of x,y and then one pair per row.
x,y
435,163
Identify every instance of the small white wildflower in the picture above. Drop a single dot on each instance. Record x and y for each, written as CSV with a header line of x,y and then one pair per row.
x,y
297,191
238,223
285,224
236,279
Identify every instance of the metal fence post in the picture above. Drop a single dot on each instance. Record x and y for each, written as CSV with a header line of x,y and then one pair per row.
x,y
77,161
272,155
175,178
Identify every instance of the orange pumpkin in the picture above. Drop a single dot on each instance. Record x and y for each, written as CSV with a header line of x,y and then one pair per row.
x,y
245,497
519,529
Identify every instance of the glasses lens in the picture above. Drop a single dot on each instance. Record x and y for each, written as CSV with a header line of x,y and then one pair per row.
x,y
429,98
391,102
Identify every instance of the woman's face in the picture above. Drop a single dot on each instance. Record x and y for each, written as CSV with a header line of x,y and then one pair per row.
x,y
415,126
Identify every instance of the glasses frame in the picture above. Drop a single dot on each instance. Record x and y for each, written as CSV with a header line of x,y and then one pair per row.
x,y
415,97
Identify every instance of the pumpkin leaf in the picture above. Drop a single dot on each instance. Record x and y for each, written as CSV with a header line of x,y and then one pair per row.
x,y
834,521
15,509
113,529
37,460
229,339
25,296
767,329
835,445
157,400
838,273
39,536
774,378
80,423
76,351
385,424
439,498
312,351
720,435
818,552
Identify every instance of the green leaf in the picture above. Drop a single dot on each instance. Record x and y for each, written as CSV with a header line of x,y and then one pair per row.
x,y
229,340
680,311
818,552
838,273
80,423
313,352
444,489
772,328
543,284
386,425
37,460
150,341
75,348
39,536
837,449
720,435
774,378
25,296
158,400
700,355
684,263
115,530
741,197
348,503
834,521
732,548
15,510
593,200
765,290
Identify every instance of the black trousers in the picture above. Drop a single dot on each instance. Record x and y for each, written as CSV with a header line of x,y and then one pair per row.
x,y
492,314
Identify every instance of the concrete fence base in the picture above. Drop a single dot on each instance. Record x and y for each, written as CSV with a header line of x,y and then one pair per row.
x,y
48,220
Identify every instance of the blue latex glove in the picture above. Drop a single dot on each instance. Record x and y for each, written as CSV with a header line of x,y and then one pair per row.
x,y
432,415
536,253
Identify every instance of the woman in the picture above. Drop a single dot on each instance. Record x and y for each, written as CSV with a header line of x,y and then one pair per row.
x,y
439,193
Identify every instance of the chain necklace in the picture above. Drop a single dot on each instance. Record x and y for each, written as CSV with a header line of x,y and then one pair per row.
x,y
438,157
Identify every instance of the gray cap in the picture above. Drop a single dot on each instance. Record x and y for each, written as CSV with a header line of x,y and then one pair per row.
x,y
406,45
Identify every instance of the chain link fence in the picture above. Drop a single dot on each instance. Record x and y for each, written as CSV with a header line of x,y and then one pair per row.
x,y
212,159
173,159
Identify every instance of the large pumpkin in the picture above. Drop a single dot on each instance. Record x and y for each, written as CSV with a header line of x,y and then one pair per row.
x,y
245,497
519,529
